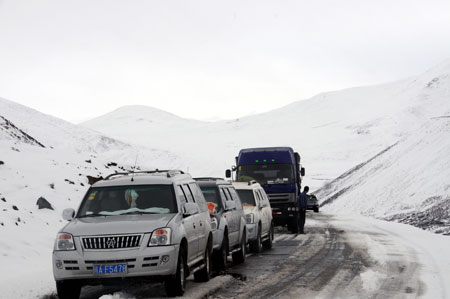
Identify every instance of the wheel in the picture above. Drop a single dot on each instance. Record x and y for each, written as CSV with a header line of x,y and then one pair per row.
x,y
204,274
220,257
255,246
239,256
68,289
268,243
175,285
316,209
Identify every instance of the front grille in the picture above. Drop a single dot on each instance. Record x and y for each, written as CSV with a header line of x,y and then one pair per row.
x,y
279,197
111,242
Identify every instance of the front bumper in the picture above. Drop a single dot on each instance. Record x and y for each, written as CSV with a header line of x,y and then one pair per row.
x,y
143,261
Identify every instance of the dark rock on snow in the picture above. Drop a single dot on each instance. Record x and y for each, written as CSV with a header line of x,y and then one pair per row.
x,y
42,203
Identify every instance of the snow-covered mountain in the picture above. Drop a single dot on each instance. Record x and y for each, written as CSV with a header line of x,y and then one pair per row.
x,y
45,157
332,131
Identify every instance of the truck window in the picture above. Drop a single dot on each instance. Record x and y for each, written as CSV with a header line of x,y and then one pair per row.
x,y
266,174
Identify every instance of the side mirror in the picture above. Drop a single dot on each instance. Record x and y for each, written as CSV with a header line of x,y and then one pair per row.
x,y
190,209
302,171
228,173
230,205
68,214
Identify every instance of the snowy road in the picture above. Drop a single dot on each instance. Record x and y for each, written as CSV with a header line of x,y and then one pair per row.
x,y
331,261
339,257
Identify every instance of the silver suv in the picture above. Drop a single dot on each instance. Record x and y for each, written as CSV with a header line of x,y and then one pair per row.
x,y
258,214
149,225
230,235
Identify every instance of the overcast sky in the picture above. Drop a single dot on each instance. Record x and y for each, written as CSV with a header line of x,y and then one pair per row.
x,y
78,59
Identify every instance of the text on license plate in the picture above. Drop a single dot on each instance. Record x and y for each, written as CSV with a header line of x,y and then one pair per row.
x,y
110,269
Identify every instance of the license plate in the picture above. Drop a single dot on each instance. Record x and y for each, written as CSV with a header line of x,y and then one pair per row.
x,y
110,269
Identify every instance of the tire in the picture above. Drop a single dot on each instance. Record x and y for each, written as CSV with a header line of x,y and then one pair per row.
x,y
316,209
239,256
204,274
255,246
268,243
220,257
68,289
176,285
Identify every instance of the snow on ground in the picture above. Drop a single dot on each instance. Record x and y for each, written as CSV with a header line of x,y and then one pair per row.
x,y
429,250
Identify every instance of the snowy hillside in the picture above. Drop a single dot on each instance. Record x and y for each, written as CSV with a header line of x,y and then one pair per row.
x,y
332,131
45,157
408,182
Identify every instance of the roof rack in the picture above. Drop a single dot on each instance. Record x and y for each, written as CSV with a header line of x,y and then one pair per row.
x,y
252,182
169,173
209,179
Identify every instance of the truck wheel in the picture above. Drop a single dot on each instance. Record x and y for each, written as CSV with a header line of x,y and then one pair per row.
x,y
175,285
68,289
204,274
239,256
268,243
220,257
255,246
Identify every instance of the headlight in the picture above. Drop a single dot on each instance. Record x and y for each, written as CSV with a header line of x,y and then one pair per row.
x,y
250,218
159,237
65,241
213,223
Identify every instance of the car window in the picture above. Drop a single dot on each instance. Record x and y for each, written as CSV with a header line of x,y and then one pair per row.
x,y
263,198
235,197
188,193
198,195
247,197
226,194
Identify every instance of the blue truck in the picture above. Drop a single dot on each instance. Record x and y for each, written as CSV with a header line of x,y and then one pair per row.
x,y
280,173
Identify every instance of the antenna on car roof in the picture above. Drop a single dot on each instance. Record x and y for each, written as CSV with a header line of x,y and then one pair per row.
x,y
134,168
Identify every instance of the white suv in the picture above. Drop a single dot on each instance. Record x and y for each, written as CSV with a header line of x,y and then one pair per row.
x,y
258,214
145,225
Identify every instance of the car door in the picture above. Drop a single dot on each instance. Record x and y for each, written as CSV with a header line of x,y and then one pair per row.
x,y
266,213
202,217
259,202
233,233
189,224
239,212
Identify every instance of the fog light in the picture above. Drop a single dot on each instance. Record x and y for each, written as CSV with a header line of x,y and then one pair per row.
x,y
165,259
59,264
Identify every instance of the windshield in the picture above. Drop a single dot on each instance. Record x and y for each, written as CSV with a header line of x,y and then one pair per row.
x,y
211,196
120,200
247,197
266,173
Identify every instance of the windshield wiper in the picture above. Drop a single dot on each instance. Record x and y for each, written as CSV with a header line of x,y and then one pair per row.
x,y
92,215
137,213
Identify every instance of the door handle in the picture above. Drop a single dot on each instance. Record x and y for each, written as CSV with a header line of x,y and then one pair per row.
x,y
201,223
193,224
